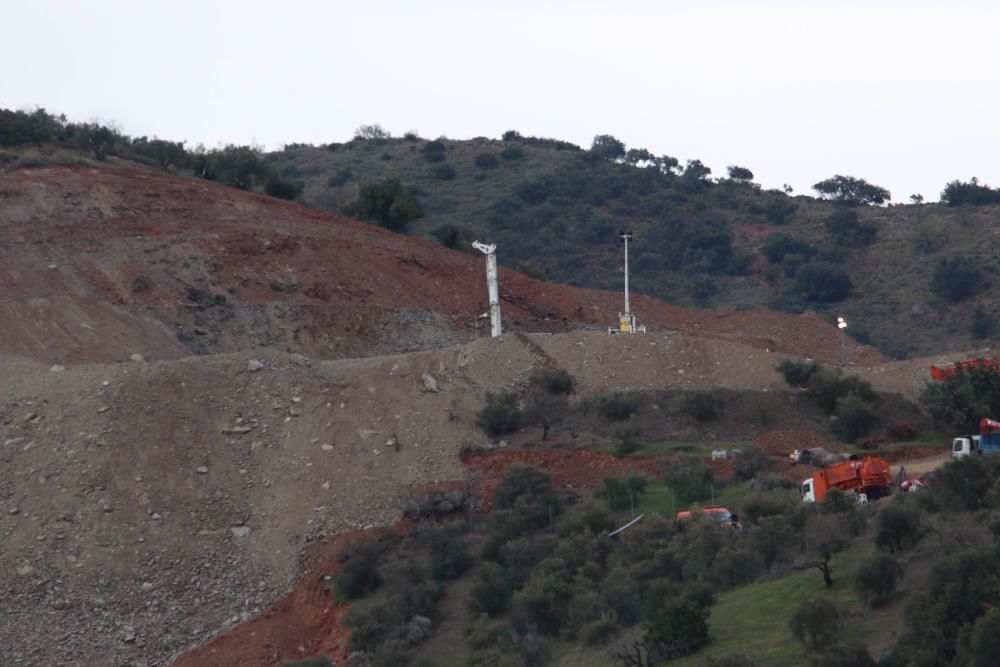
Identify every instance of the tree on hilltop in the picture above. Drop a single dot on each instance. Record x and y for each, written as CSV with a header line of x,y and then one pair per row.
x,y
851,190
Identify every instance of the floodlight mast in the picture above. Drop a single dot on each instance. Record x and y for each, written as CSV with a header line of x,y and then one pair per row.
x,y
625,237
492,284
842,325
626,320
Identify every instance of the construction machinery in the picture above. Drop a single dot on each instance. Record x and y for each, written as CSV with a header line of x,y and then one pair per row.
x,y
942,372
492,285
987,442
867,477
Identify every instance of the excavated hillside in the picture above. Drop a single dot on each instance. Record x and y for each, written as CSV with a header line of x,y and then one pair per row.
x,y
200,383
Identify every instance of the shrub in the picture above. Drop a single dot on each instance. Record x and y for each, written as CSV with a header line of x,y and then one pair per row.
x,y
534,190
962,485
876,579
815,622
779,209
486,161
599,632
955,277
552,380
501,414
618,406
703,405
491,593
541,605
984,644
773,538
434,151
339,178
621,492
629,440
532,270
544,409
453,236
512,153
142,284
282,189
899,527
359,575
856,418
750,461
822,282
777,245
448,553
529,492
677,628
386,203
444,172
847,231
927,240
797,373
964,398
957,193
827,388
690,478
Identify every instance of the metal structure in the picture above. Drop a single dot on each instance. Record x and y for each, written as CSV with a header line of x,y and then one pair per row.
x,y
626,320
492,283
842,325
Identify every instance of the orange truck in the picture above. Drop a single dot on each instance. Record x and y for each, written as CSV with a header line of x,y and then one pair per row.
x,y
942,372
867,477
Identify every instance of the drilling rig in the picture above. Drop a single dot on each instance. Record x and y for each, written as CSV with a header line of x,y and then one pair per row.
x,y
492,284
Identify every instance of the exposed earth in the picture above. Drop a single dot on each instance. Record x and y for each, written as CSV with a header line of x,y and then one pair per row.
x,y
205,390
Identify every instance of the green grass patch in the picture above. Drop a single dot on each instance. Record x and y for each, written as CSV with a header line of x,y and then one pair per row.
x,y
754,619
655,449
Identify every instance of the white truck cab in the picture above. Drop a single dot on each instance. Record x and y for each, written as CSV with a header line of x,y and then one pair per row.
x,y
807,491
962,447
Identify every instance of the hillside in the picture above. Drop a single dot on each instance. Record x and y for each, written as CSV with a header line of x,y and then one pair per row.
x,y
105,261
208,391
553,207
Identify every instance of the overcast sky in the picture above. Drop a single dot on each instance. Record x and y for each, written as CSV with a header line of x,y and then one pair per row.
x,y
902,93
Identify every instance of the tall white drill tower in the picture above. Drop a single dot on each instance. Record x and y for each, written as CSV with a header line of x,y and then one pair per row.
x,y
492,283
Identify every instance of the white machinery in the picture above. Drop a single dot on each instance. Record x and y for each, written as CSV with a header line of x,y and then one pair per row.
x,y
492,283
626,320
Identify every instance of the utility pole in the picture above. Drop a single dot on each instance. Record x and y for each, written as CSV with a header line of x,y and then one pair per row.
x,y
492,284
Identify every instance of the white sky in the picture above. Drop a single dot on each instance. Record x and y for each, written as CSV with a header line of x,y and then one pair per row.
x,y
902,93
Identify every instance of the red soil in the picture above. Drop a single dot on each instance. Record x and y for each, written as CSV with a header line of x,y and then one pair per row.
x,y
87,255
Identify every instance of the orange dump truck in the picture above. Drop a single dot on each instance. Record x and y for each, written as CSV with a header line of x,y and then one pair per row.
x,y
868,477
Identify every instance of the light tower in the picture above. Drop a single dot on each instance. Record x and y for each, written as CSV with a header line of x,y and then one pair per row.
x,y
842,325
492,284
626,320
